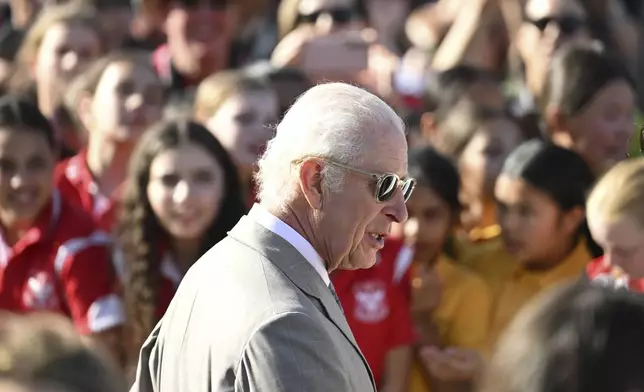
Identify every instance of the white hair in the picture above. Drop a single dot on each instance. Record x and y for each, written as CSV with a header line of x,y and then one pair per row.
x,y
331,120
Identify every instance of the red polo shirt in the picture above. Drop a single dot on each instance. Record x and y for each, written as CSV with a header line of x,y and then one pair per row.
x,y
601,271
77,185
376,310
62,265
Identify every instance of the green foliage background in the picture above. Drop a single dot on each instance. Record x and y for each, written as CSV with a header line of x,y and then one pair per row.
x,y
634,148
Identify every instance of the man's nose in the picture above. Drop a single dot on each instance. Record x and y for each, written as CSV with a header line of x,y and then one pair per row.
x,y
398,209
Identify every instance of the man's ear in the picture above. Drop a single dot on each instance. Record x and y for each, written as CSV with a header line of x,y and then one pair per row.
x,y
310,175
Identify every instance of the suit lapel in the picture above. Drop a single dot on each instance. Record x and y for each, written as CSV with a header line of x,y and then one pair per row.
x,y
293,264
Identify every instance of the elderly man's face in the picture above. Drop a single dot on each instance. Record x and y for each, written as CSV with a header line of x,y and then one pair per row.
x,y
353,222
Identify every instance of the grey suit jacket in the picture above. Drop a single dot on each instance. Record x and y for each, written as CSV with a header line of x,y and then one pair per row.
x,y
252,315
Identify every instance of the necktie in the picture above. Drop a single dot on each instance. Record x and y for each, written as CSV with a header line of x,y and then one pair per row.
x,y
335,295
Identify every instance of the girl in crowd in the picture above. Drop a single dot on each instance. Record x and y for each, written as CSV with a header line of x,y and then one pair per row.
x,y
58,46
479,140
541,195
183,196
576,338
450,305
616,220
590,106
238,110
119,96
51,259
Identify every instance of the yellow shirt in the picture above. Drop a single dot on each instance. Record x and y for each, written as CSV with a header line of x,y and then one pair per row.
x,y
463,315
523,285
482,251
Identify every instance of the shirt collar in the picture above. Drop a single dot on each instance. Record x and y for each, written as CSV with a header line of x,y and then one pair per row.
x,y
275,225
573,265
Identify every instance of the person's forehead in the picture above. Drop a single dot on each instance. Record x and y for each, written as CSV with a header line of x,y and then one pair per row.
x,y
545,8
387,152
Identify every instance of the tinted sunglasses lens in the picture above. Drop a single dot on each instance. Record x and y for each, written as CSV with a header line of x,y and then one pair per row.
x,y
386,187
408,188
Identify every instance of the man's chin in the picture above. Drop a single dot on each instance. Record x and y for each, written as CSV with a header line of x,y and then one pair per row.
x,y
358,263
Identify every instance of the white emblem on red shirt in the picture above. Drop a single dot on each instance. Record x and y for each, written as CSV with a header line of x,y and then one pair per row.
x,y
40,292
371,301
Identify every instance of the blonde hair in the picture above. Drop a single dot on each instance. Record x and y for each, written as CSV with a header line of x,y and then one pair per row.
x,y
75,12
620,192
217,88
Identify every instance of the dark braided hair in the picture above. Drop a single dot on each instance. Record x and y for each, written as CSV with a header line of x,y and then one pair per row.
x,y
139,230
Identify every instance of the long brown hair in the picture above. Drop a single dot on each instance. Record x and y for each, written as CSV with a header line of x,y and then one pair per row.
x,y
139,229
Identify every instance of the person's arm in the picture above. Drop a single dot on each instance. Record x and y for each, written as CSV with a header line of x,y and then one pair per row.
x,y
291,352
89,283
464,34
397,367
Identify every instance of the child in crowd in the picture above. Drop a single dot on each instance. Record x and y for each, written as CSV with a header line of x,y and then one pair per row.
x,y
590,106
118,97
450,304
51,257
239,110
183,197
541,195
479,140
63,40
616,220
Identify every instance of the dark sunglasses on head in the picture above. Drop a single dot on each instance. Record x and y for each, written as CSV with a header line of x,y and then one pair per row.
x,y
386,184
338,15
567,24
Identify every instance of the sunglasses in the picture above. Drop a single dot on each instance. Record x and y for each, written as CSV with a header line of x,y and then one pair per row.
x,y
338,15
386,184
568,25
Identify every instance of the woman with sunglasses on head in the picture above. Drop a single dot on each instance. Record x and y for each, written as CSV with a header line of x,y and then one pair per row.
x,y
183,196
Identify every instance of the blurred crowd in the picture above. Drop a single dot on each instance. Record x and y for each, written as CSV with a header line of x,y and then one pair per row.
x,y
130,132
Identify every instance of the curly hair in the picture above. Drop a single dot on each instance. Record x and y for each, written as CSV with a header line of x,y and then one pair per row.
x,y
139,230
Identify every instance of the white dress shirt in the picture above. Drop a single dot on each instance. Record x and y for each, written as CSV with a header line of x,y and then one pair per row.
x,y
275,225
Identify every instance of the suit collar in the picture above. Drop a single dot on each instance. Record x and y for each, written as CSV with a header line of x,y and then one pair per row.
x,y
294,265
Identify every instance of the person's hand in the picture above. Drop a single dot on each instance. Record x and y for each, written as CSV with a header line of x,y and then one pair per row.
x,y
452,364
379,75
427,289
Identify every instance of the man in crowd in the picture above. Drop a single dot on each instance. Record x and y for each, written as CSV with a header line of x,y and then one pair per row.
x,y
258,311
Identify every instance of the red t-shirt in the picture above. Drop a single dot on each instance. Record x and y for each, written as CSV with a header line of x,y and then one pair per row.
x,y
62,265
376,310
600,271
77,185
